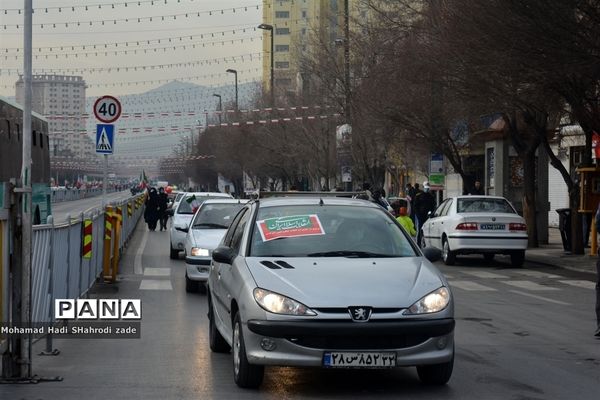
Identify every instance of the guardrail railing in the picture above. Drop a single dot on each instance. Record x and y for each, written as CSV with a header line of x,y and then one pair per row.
x,y
59,195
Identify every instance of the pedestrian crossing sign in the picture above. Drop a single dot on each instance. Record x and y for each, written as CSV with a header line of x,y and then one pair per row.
x,y
105,138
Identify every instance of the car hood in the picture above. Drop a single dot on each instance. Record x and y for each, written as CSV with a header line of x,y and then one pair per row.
x,y
207,238
341,282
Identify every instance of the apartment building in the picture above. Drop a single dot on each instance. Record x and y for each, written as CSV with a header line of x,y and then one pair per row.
x,y
57,96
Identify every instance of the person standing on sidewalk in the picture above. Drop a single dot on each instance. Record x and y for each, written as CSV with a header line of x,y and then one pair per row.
x,y
597,277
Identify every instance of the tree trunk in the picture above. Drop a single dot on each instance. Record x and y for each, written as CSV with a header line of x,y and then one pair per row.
x,y
529,203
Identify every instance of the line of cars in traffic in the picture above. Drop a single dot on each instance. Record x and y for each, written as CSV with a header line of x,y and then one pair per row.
x,y
330,282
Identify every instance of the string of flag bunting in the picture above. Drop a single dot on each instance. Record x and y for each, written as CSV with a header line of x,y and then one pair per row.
x,y
93,7
140,19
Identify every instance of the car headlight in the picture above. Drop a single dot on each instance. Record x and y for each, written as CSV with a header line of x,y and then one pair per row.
x,y
433,302
199,252
278,304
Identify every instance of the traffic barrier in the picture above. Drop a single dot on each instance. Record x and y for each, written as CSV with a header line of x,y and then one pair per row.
x,y
61,267
88,231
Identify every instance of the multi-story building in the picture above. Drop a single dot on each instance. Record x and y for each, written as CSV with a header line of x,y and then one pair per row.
x,y
62,99
298,25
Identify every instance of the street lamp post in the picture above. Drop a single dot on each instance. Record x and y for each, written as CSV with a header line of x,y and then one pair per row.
x,y
272,56
221,106
233,71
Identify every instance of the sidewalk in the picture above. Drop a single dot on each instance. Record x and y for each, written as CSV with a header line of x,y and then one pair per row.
x,y
553,254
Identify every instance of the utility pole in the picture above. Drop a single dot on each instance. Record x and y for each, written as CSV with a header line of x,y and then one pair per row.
x,y
233,71
347,60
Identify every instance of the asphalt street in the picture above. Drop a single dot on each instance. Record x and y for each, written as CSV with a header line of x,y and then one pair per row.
x,y
76,207
520,334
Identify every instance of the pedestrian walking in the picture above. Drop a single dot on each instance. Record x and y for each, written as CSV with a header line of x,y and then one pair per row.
x,y
151,212
406,222
477,190
424,204
163,203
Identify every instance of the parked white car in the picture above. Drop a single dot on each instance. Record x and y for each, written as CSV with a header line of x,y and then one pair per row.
x,y
183,214
485,225
205,233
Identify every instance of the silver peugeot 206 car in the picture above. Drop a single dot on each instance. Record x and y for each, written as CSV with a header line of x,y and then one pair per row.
x,y
331,283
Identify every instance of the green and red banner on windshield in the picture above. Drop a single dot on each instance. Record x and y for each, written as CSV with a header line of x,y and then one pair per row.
x,y
291,226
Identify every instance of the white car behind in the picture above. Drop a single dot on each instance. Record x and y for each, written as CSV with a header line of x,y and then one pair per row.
x,y
183,214
487,225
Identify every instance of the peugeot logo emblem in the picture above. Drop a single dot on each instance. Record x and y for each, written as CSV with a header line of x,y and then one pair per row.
x,y
360,313
493,218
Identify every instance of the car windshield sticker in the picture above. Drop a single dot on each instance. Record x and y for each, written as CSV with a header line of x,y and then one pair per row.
x,y
291,226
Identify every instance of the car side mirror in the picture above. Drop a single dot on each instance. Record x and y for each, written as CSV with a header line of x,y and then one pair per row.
x,y
432,254
182,229
224,255
430,214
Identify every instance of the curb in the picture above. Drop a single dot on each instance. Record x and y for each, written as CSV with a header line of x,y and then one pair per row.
x,y
538,261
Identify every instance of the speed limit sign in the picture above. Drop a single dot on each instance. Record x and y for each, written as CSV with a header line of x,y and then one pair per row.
x,y
107,109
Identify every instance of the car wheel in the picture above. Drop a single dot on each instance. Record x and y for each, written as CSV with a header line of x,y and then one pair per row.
x,y
488,257
201,287
517,258
436,374
448,255
216,341
245,374
190,285
174,254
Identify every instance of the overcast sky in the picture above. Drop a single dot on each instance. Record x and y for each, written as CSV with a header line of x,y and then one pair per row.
x,y
187,28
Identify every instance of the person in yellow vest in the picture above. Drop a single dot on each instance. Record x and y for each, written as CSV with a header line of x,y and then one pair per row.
x,y
406,222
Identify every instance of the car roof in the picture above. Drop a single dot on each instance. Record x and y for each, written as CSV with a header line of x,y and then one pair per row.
x,y
225,200
209,194
479,196
301,201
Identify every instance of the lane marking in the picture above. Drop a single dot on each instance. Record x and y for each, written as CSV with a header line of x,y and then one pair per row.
x,y
157,271
528,285
537,274
137,264
471,286
150,284
485,275
581,284
562,303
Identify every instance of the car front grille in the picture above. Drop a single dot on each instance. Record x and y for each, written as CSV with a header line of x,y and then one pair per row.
x,y
359,342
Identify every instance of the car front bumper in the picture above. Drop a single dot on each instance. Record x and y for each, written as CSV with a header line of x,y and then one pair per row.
x,y
299,343
197,268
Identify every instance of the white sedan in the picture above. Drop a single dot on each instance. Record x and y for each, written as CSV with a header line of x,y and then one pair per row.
x,y
183,214
205,233
485,225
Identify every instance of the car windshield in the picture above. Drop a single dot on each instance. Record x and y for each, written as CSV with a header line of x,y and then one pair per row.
x,y
190,204
328,231
483,205
215,216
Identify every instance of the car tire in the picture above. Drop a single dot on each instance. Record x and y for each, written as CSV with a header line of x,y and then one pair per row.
x,y
436,374
489,257
217,343
245,375
174,255
448,255
517,258
190,285
201,287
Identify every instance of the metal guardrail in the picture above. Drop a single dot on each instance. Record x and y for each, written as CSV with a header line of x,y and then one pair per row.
x,y
59,268
59,195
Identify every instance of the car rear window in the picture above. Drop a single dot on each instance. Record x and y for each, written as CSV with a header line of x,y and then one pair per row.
x,y
315,231
480,204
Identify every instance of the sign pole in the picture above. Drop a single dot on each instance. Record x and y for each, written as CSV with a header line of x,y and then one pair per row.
x,y
104,181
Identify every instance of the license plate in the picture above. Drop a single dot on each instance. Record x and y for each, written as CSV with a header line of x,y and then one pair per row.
x,y
359,359
493,227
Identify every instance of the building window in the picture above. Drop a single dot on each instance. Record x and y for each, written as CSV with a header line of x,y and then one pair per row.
x,y
303,31
282,64
304,14
282,31
282,14
283,82
282,48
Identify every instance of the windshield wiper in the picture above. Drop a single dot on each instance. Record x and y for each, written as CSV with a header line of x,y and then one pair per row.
x,y
209,225
350,253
